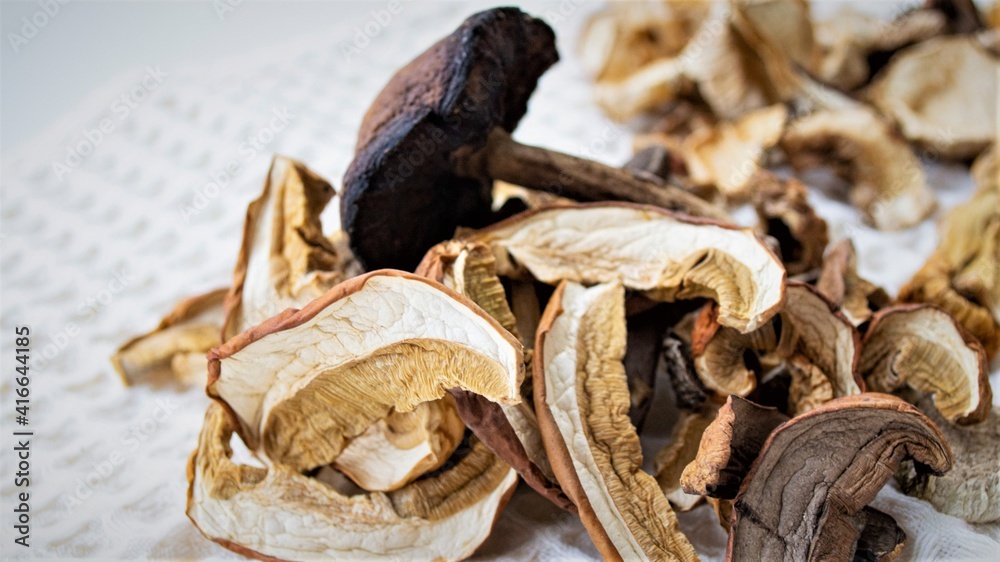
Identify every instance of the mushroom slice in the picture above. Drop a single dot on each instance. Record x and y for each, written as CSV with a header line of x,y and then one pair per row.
x,y
191,329
275,513
784,213
380,342
856,298
598,243
923,348
818,471
675,456
809,334
971,490
729,445
948,114
582,399
887,180
510,431
963,275
728,154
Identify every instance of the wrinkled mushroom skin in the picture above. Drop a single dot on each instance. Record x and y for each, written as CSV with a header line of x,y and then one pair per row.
x,y
923,348
581,395
276,513
971,490
382,341
191,329
604,242
400,201
729,445
817,471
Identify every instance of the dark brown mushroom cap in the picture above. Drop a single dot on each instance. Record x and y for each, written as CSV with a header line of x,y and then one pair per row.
x,y
817,471
401,192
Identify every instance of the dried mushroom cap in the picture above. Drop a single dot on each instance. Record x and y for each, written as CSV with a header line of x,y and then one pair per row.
x,y
784,214
729,445
728,154
597,243
923,348
285,260
856,298
582,399
191,328
887,180
963,274
275,513
675,456
971,489
817,471
380,342
811,332
510,431
949,113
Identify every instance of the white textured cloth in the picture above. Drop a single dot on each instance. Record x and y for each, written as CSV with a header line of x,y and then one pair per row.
x,y
101,254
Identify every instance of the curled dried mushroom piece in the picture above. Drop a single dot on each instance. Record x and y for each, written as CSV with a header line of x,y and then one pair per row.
x,y
921,347
784,213
179,342
887,180
582,399
596,243
855,297
948,114
971,489
817,472
305,383
276,513
682,449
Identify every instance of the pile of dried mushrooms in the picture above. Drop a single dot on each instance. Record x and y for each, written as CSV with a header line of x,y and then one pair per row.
x,y
494,312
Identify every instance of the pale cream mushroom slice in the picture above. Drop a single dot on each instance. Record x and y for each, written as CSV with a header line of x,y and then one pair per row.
x,y
664,256
971,489
305,383
510,431
962,276
727,156
276,513
582,399
179,343
921,347
784,214
855,297
820,347
887,180
948,115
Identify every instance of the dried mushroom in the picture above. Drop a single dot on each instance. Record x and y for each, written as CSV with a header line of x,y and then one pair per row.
x,y
971,489
816,473
962,276
727,155
582,399
819,346
856,298
682,449
438,134
510,431
380,342
949,113
595,243
276,513
887,180
921,347
179,342
784,214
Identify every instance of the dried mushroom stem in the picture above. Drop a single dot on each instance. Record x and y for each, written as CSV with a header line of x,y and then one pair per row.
x,y
582,398
276,513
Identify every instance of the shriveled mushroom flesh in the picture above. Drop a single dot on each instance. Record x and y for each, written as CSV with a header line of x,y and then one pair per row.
x,y
855,297
784,213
